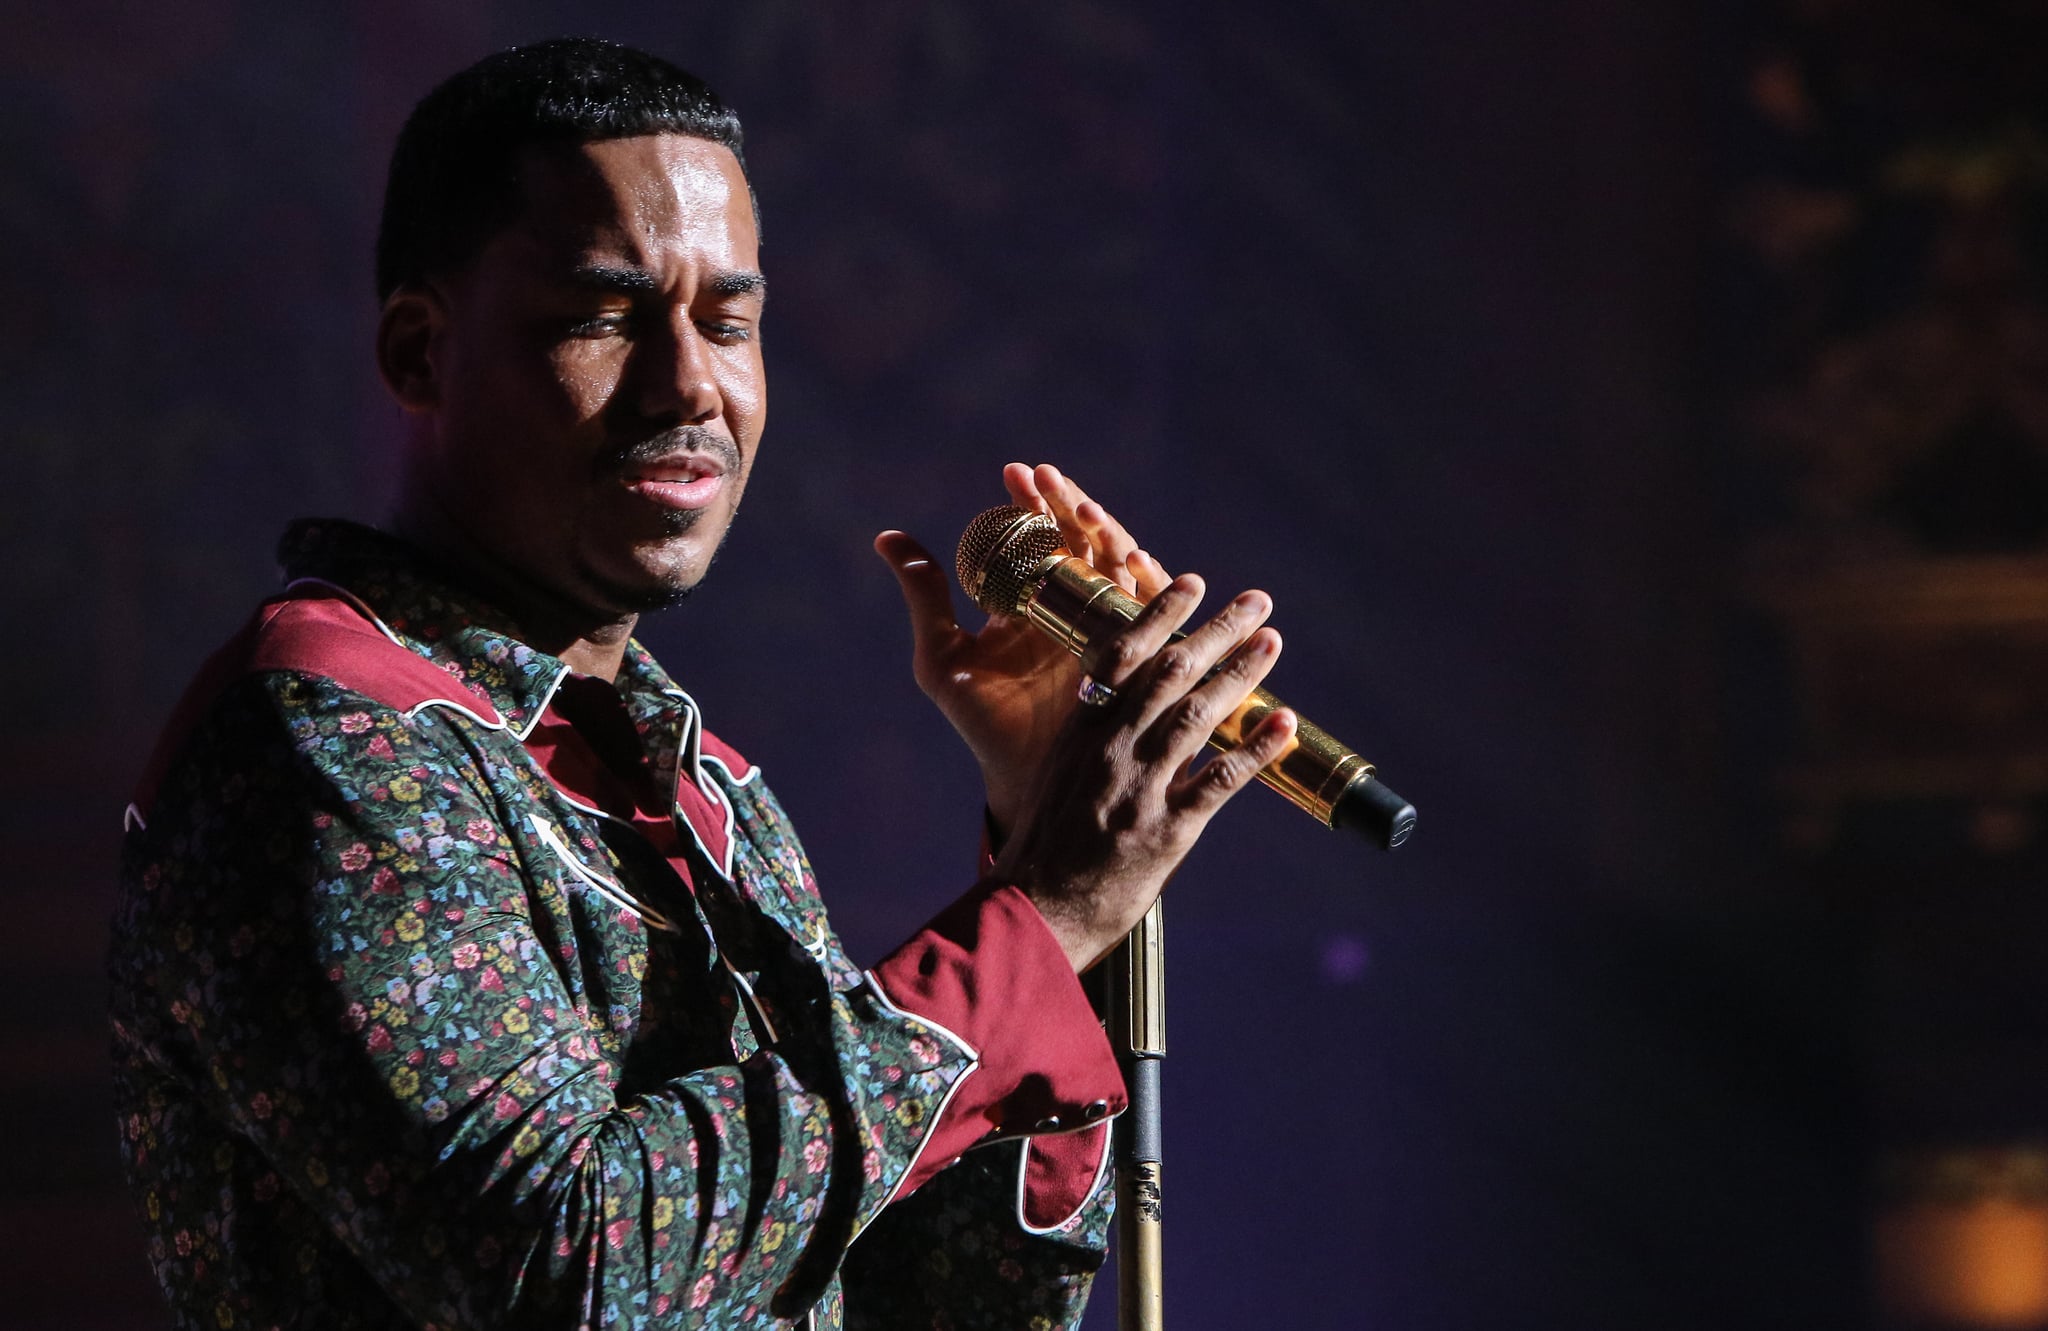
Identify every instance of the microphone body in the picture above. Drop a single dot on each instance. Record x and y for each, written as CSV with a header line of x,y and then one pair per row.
x,y
1012,561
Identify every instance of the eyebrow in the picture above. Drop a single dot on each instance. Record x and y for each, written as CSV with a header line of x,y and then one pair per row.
x,y
739,282
633,280
627,280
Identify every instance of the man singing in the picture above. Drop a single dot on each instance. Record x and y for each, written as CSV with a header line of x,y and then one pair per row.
x,y
462,978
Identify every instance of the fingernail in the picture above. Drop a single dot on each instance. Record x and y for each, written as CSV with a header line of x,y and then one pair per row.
x,y
1255,602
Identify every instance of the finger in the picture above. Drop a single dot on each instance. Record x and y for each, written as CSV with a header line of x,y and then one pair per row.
x,y
1113,545
1023,488
1118,657
1180,668
1184,726
1109,544
923,583
1149,575
1062,495
1202,793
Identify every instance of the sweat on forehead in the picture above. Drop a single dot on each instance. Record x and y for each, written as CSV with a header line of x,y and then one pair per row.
x,y
648,183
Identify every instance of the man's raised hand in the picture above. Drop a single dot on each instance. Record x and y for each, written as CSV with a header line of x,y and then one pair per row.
x,y
1118,802
1007,688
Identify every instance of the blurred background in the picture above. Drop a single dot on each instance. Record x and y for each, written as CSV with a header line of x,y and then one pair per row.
x,y
1639,413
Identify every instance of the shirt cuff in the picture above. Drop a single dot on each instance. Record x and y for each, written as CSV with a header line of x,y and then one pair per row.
x,y
988,969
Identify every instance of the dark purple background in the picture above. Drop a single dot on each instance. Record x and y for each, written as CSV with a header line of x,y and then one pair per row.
x,y
1393,310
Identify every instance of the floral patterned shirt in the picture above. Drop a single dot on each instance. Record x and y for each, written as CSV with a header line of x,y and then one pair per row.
x,y
423,1018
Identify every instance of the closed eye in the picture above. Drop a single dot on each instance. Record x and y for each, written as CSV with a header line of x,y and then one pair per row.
x,y
725,334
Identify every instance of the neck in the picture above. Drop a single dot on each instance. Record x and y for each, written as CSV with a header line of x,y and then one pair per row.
x,y
588,641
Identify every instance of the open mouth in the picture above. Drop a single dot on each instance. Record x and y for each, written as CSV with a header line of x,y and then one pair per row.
x,y
682,480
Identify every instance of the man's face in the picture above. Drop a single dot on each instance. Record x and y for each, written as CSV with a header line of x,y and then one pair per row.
x,y
598,385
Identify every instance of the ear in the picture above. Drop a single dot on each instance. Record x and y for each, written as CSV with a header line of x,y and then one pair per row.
x,y
406,333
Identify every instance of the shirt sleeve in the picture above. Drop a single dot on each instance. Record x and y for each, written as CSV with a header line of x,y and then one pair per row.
x,y
335,942
988,969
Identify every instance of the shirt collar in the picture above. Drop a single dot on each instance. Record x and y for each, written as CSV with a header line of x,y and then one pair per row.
x,y
425,606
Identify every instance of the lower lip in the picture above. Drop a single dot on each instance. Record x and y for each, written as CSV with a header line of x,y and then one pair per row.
x,y
678,494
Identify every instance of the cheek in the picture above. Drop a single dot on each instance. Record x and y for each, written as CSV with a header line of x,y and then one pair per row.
x,y
581,377
745,389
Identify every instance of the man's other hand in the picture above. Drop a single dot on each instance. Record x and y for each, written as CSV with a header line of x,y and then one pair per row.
x,y
1008,688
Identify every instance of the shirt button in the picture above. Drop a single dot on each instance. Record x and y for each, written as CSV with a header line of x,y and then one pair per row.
x,y
1047,1124
1096,1109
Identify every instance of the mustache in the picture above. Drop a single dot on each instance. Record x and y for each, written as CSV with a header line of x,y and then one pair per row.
x,y
681,439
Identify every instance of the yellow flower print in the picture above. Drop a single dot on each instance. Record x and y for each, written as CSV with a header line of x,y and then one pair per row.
x,y
317,1172
664,1210
410,927
405,1081
516,1020
771,1237
405,788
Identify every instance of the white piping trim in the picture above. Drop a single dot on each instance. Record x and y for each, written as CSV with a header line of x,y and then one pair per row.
x,y
940,1112
716,797
596,882
413,711
133,821
753,1003
692,757
890,1004
1024,1172
354,600
541,709
753,771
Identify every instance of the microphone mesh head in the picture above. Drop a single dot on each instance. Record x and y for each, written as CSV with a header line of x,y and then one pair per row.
x,y
1003,553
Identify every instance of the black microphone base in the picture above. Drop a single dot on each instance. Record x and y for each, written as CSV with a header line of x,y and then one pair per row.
x,y
1367,806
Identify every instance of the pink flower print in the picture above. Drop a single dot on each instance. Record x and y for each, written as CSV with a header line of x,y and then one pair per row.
x,y
356,858
355,723
700,1293
816,1153
380,747
481,830
467,955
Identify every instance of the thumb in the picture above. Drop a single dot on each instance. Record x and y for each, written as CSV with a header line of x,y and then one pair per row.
x,y
923,584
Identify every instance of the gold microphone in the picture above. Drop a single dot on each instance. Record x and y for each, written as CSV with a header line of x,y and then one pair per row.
x,y
1013,561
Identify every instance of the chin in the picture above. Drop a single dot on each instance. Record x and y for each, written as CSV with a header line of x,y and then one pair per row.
x,y
636,587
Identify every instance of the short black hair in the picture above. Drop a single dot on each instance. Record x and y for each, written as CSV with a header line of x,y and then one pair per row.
x,y
454,179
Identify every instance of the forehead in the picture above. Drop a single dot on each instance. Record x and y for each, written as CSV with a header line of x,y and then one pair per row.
x,y
648,198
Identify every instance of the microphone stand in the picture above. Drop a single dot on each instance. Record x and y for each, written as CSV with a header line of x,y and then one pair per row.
x,y
1137,1027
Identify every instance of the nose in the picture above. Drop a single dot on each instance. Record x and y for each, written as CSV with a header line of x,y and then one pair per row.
x,y
675,380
